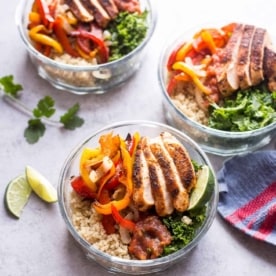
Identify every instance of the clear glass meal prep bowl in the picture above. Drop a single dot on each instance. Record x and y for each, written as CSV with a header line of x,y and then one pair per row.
x,y
85,79
223,143
71,168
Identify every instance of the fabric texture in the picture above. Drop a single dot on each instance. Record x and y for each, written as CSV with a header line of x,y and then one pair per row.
x,y
247,198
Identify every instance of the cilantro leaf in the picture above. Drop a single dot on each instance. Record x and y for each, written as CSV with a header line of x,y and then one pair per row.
x,y
8,85
34,131
70,120
250,109
45,107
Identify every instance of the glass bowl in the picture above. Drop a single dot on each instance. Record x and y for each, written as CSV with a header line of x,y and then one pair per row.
x,y
71,168
84,78
218,142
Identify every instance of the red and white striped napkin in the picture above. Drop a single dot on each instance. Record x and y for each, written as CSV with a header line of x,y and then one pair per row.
x,y
247,197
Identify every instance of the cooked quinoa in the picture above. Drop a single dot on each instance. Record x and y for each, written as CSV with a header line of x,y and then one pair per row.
x,y
88,224
186,102
79,78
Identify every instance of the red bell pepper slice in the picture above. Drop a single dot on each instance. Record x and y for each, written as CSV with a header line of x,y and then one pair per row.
x,y
44,12
81,188
63,38
103,50
126,223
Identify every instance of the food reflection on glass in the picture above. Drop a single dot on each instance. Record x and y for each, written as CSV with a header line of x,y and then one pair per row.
x,y
80,32
224,77
139,197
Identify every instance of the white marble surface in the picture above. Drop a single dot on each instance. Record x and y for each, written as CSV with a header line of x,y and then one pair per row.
x,y
38,243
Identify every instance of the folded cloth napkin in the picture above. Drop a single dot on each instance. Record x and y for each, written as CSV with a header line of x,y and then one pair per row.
x,y
247,198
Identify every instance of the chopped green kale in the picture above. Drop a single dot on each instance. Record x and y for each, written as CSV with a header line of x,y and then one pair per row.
x,y
183,233
127,32
250,109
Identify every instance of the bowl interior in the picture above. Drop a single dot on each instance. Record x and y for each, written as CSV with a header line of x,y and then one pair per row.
x,y
70,168
79,76
219,142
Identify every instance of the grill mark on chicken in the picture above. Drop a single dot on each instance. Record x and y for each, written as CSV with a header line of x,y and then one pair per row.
x,y
260,40
79,9
162,199
110,8
179,194
100,14
227,79
142,194
269,67
181,160
243,64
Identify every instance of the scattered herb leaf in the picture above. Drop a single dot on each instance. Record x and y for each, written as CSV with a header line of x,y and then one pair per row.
x,y
70,120
34,131
8,85
45,108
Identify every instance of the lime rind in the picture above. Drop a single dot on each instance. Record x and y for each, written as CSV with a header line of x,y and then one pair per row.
x,y
203,190
17,195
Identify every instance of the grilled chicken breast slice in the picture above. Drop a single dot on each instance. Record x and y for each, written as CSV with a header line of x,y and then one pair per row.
x,y
227,79
100,14
110,8
243,62
128,5
181,159
162,199
142,193
269,67
260,41
79,9
178,193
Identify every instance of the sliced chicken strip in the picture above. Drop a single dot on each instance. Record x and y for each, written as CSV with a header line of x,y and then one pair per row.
x,y
179,194
181,160
128,5
79,10
227,79
162,198
260,41
110,8
269,67
142,193
243,62
100,14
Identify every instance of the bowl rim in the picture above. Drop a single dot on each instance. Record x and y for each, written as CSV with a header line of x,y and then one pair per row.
x,y
136,263
20,17
167,48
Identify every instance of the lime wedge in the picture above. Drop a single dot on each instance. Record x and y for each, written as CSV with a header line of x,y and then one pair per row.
x,y
17,194
203,190
40,185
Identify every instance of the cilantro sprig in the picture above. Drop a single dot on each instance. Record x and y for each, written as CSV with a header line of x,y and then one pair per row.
x,y
41,113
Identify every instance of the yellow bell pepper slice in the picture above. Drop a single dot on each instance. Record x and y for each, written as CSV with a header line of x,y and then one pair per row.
x,y
44,39
182,66
89,157
125,179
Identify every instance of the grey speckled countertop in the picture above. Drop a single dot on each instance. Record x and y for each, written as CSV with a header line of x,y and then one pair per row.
x,y
38,243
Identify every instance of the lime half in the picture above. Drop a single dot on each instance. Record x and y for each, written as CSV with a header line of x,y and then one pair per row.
x,y
17,195
203,190
40,185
